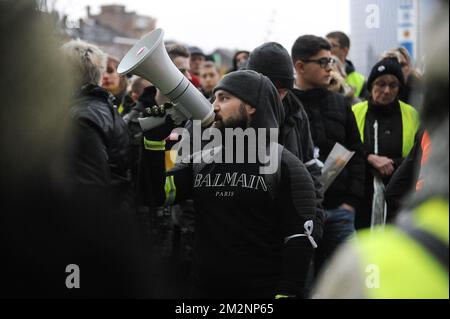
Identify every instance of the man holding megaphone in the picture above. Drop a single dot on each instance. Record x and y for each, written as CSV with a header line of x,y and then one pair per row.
x,y
253,232
254,222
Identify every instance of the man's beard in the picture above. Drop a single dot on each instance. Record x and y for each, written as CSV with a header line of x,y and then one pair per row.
x,y
242,120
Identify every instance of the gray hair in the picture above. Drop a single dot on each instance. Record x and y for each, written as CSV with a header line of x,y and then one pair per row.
x,y
393,54
88,62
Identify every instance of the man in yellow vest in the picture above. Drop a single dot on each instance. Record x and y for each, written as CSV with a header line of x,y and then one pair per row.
x,y
411,258
340,47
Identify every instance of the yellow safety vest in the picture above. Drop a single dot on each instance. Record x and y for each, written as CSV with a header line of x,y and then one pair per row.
x,y
170,155
357,81
403,268
170,159
410,123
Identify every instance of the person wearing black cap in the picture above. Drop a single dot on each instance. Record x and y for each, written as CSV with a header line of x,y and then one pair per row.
x,y
397,121
253,235
332,121
197,58
274,61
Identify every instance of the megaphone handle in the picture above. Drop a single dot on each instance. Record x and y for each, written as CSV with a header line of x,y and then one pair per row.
x,y
183,110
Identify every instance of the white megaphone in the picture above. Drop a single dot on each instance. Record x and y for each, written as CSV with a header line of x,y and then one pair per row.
x,y
148,58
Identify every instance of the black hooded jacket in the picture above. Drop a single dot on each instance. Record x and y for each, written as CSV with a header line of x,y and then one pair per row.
x,y
274,61
100,154
296,137
243,216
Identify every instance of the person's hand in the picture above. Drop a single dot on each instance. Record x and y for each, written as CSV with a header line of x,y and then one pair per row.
x,y
348,207
384,165
160,132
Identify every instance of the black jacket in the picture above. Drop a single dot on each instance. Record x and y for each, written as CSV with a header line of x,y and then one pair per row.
x,y
404,179
101,150
332,121
123,103
243,217
295,136
390,131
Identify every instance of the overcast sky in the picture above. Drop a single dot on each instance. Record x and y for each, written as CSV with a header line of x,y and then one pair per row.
x,y
233,24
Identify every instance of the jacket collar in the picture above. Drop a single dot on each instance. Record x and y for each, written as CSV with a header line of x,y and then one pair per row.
x,y
349,67
95,91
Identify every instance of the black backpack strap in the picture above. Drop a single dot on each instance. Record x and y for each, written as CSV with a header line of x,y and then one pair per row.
x,y
432,244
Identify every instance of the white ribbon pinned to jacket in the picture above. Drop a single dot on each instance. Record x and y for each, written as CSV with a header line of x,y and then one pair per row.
x,y
309,226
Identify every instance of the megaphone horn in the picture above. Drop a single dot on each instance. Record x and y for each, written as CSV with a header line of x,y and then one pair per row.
x,y
148,58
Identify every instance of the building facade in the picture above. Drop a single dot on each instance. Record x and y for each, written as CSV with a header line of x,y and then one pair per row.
x,y
381,25
114,29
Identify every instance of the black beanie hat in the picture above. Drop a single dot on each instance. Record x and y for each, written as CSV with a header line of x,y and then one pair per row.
x,y
244,84
386,66
273,60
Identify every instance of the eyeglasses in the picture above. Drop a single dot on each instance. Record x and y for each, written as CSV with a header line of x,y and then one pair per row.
x,y
323,62
383,85
335,45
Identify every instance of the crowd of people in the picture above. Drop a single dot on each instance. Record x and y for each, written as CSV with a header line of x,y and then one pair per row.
x,y
119,204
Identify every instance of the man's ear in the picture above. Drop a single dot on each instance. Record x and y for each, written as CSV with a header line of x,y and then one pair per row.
x,y
299,66
346,51
250,109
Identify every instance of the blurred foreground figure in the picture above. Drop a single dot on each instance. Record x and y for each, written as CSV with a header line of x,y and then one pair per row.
x,y
58,239
410,258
